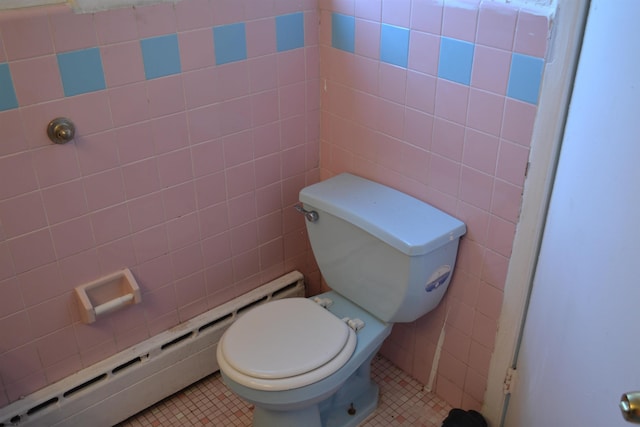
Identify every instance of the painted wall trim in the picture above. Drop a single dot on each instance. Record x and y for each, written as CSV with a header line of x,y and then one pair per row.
x,y
568,28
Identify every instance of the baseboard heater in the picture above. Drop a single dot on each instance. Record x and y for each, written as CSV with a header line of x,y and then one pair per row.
x,y
122,385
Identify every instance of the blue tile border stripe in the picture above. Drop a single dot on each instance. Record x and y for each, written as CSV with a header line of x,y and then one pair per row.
x,y
160,56
456,60
343,32
81,71
394,45
525,78
230,43
290,31
8,100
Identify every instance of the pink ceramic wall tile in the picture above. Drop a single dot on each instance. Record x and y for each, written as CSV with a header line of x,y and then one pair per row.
x,y
396,12
56,164
196,49
129,104
204,123
242,209
484,330
65,201
291,66
42,283
116,255
14,140
155,20
97,152
477,222
272,253
390,118
179,200
187,261
104,189
480,151
188,290
460,315
116,25
3,55
512,162
91,113
72,31
26,385
419,43
268,200
227,12
160,301
36,80
81,268
13,372
451,101
236,80
519,118
476,188
235,115
11,297
153,274
485,111
269,227
418,128
92,355
346,7
141,178
292,100
132,336
175,167
238,148
122,63
480,357
134,142
475,385
497,25
262,107
31,250
491,69
240,179
267,170
22,214
421,91
393,82
193,14
57,346
532,34
444,175
150,243
506,201
367,38
200,88
501,234
146,211
448,139
452,369
261,37
33,116
245,265
165,96
456,343
50,316
263,73
459,20
293,161
27,36
19,171
183,231
110,223
426,15
311,29
64,368
489,303
208,157
217,249
170,133
260,9
72,237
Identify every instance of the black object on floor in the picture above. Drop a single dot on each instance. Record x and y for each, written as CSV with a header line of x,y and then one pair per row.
x,y
461,418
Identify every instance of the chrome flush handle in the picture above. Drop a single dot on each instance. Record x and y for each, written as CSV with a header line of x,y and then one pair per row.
x,y
312,216
630,406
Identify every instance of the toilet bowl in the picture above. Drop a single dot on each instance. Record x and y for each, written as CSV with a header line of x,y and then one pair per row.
x,y
388,258
312,372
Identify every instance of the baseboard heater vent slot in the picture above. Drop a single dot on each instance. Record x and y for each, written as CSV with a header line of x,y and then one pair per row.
x,y
124,384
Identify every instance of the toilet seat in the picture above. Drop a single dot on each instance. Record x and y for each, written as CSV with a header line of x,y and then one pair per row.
x,y
285,344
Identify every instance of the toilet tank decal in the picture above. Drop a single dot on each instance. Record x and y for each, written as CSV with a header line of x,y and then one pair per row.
x,y
438,278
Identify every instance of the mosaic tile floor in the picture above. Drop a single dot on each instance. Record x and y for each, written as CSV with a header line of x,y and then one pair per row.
x,y
403,402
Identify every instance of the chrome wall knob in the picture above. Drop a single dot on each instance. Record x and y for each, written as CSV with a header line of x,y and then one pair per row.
x,y
61,130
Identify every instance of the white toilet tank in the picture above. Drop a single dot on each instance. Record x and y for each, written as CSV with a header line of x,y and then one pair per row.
x,y
386,251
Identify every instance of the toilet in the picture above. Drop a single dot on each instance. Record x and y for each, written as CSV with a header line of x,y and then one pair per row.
x,y
388,258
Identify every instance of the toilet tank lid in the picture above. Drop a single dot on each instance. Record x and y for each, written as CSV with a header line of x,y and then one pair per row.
x,y
404,222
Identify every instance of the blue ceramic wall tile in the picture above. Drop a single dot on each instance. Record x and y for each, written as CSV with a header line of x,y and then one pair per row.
x,y
290,31
8,98
456,60
394,45
81,71
230,43
161,56
525,77
343,32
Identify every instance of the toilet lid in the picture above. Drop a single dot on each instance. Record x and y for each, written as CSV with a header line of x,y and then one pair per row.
x,y
283,339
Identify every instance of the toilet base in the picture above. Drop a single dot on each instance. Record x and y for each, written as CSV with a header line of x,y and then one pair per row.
x,y
351,404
